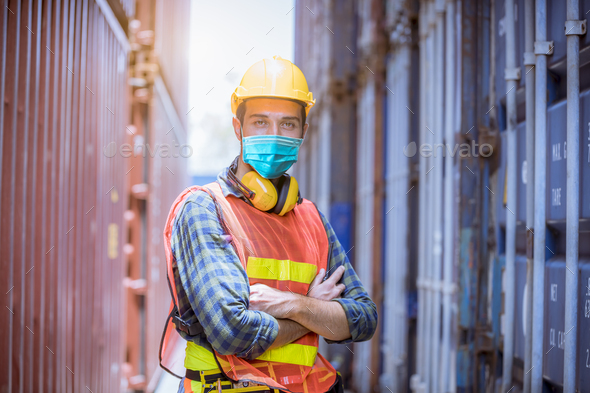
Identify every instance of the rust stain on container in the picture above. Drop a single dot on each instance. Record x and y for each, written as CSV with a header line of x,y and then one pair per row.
x,y
113,245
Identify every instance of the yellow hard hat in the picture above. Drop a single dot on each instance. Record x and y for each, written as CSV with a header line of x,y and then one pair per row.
x,y
274,77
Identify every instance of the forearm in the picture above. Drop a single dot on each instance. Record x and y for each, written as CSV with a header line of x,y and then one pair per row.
x,y
326,318
289,331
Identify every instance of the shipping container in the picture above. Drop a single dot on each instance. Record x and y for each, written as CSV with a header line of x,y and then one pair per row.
x,y
461,252
327,176
75,247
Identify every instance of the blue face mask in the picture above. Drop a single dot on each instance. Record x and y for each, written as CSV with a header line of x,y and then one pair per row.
x,y
270,155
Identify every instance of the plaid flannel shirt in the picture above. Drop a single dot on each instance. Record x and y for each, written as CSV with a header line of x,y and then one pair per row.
x,y
213,287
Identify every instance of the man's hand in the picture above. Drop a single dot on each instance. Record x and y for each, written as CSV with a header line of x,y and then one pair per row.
x,y
271,301
328,289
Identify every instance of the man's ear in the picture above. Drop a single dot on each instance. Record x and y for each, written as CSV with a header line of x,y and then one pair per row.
x,y
236,124
305,126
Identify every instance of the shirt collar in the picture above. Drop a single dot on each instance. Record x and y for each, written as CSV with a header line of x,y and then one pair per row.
x,y
231,185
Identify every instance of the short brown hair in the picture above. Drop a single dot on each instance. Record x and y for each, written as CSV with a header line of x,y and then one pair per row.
x,y
241,111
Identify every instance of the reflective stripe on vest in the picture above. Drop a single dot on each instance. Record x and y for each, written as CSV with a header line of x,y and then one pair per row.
x,y
286,270
291,353
300,352
283,275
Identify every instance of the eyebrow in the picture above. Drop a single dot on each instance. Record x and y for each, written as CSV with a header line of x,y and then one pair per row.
x,y
282,118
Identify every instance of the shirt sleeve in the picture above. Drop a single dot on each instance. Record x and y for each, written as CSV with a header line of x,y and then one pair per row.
x,y
360,310
216,284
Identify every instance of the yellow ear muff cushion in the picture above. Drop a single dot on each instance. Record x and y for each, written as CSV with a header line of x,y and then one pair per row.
x,y
265,197
292,196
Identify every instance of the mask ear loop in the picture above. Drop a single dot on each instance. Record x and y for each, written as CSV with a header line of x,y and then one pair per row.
x,y
245,190
242,141
299,198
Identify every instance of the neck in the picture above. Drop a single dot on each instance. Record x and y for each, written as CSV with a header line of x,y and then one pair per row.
x,y
244,168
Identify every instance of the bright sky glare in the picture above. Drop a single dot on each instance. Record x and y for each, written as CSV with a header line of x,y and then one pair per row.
x,y
227,37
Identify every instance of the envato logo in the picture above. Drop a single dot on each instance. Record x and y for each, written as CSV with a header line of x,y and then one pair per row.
x,y
464,150
164,150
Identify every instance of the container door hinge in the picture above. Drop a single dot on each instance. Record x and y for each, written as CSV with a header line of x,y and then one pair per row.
x,y
512,74
544,48
575,27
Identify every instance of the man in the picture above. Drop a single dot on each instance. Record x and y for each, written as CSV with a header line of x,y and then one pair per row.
x,y
258,267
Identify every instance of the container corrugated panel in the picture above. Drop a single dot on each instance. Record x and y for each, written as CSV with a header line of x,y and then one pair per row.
x,y
557,159
556,165
500,186
499,57
364,212
555,22
497,299
585,154
554,329
333,184
521,170
584,7
311,40
556,17
167,179
583,370
129,7
521,173
172,26
63,84
519,306
135,245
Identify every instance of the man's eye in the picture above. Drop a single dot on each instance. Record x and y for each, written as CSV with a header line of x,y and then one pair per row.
x,y
289,125
260,122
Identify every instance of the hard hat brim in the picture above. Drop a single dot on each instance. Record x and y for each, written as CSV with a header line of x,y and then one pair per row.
x,y
236,100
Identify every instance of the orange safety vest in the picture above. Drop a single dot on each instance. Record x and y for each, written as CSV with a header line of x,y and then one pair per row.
x,y
283,252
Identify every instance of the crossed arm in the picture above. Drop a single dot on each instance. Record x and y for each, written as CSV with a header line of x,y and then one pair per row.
x,y
298,314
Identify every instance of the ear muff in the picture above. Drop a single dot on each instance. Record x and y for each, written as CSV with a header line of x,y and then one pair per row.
x,y
288,195
267,198
265,193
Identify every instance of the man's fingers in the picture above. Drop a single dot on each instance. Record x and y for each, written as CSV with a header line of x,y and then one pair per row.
x,y
338,289
318,279
336,276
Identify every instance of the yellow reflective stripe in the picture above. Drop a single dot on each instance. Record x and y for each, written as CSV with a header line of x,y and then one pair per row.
x,y
284,270
303,355
199,358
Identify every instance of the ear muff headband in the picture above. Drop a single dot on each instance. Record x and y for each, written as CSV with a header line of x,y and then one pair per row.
x,y
283,189
288,195
292,196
